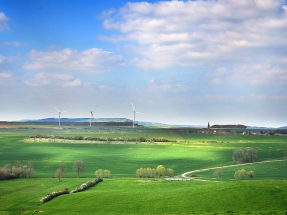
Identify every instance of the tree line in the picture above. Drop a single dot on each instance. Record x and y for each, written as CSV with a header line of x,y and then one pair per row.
x,y
159,171
18,170
79,137
79,168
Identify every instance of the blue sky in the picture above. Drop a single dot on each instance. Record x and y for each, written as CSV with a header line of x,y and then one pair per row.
x,y
179,62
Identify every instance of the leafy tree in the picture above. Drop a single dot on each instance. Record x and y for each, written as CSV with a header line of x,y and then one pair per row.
x,y
78,167
160,170
217,172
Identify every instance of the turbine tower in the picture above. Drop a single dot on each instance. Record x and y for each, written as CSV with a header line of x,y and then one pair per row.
x,y
134,113
92,115
60,115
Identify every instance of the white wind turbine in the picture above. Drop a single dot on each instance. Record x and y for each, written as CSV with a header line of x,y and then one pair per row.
x,y
60,115
134,113
92,115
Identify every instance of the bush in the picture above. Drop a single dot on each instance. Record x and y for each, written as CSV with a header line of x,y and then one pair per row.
x,y
250,174
240,174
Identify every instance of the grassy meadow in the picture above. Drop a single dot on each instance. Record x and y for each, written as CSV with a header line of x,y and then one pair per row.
x,y
123,192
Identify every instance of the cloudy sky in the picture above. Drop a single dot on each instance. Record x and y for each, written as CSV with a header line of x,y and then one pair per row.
x,y
179,62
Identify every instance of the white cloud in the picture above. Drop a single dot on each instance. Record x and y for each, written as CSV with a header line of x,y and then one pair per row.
x,y
167,86
47,79
6,75
191,33
11,43
2,59
92,60
268,97
3,22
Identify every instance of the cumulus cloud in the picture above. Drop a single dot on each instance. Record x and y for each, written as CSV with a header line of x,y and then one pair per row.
x,y
3,22
92,60
192,33
47,79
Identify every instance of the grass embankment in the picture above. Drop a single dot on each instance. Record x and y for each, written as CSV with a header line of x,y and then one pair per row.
x,y
123,193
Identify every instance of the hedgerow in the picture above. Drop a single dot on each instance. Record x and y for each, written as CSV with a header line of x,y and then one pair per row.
x,y
119,139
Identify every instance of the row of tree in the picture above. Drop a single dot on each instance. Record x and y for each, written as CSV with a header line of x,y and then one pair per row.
x,y
239,174
17,171
247,155
79,137
78,168
160,171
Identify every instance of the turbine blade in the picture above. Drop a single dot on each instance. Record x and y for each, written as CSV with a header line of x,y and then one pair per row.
x,y
139,112
57,109
133,107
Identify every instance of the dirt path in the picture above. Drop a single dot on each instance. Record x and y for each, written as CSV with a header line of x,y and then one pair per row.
x,y
184,175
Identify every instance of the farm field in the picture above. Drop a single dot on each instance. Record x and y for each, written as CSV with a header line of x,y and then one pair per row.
x,y
123,192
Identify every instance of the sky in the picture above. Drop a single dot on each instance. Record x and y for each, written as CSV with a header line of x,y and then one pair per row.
x,y
178,62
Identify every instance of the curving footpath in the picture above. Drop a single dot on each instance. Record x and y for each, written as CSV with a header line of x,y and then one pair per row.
x,y
184,175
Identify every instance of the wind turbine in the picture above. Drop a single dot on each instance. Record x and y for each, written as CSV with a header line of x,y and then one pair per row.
x,y
92,115
60,115
134,113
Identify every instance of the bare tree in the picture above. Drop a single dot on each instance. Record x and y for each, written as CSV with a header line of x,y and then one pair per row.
x,y
59,173
250,155
238,155
62,166
78,167
217,172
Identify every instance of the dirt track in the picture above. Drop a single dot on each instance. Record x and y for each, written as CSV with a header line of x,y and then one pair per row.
x,y
184,175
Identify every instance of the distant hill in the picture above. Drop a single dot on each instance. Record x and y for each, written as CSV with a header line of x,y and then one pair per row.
x,y
229,126
259,127
78,120
103,120
284,127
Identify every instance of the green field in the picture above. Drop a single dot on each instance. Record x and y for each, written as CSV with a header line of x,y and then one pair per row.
x,y
123,193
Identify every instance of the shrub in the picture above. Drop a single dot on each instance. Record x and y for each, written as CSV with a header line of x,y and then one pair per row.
x,y
160,170
240,174
170,172
250,174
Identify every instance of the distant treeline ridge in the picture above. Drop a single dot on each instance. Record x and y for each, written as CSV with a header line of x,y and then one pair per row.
x,y
140,139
